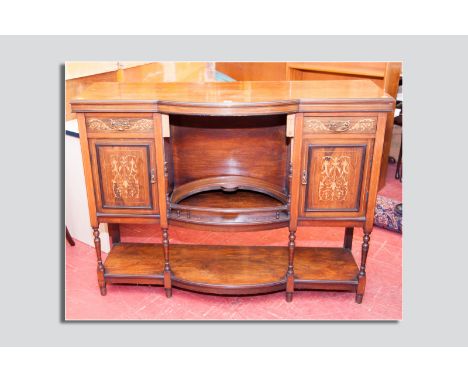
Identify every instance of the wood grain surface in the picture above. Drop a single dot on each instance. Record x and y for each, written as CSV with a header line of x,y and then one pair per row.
x,y
230,98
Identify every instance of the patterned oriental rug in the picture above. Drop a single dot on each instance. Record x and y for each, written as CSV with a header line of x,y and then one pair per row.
x,y
388,215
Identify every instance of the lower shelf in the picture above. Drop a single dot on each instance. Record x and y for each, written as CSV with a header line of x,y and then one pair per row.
x,y
232,270
134,262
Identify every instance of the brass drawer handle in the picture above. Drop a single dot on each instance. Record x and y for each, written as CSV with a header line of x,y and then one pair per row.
x,y
338,126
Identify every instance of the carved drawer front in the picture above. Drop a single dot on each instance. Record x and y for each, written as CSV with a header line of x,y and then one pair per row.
x,y
334,178
115,123
325,125
124,175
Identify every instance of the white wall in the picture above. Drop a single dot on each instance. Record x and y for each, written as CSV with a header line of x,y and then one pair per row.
x,y
76,202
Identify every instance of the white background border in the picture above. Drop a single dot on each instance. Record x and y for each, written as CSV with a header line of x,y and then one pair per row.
x,y
240,17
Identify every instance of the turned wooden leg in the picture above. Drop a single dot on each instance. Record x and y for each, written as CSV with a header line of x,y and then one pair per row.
x,y
362,270
167,268
348,239
290,273
114,233
100,266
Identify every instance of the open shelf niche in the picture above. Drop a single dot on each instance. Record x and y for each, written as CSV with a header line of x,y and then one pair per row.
x,y
228,172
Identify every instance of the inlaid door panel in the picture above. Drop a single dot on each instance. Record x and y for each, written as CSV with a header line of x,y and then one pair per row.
x,y
124,175
334,177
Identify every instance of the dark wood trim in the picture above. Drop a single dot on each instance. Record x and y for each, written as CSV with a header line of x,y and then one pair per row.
x,y
232,105
132,215
228,210
129,219
115,108
331,223
300,285
114,233
326,282
229,289
112,279
339,108
240,109
361,219
304,108
228,227
148,158
302,221
334,286
357,204
348,239
134,277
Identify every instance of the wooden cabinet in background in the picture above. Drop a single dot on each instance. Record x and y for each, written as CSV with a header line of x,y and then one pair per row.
x,y
240,156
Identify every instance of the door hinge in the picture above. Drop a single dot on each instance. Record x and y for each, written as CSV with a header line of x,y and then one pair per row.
x,y
153,176
304,177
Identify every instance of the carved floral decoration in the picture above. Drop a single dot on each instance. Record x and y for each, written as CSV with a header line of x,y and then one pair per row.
x,y
120,124
367,125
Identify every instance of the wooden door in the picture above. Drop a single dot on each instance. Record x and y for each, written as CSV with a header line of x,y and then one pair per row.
x,y
334,177
124,175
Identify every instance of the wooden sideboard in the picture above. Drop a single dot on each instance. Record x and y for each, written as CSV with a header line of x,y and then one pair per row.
x,y
237,156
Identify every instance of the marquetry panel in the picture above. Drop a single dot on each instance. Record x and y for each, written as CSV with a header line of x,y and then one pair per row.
x,y
321,125
124,175
111,123
333,178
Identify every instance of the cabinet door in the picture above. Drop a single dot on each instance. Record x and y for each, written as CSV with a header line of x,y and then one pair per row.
x,y
124,174
334,178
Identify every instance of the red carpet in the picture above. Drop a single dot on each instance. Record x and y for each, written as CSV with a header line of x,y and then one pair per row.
x,y
382,300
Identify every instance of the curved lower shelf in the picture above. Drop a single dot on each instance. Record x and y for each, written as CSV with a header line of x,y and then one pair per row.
x,y
230,201
232,270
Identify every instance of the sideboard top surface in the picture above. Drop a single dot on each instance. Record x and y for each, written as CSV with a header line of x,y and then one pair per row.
x,y
230,97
